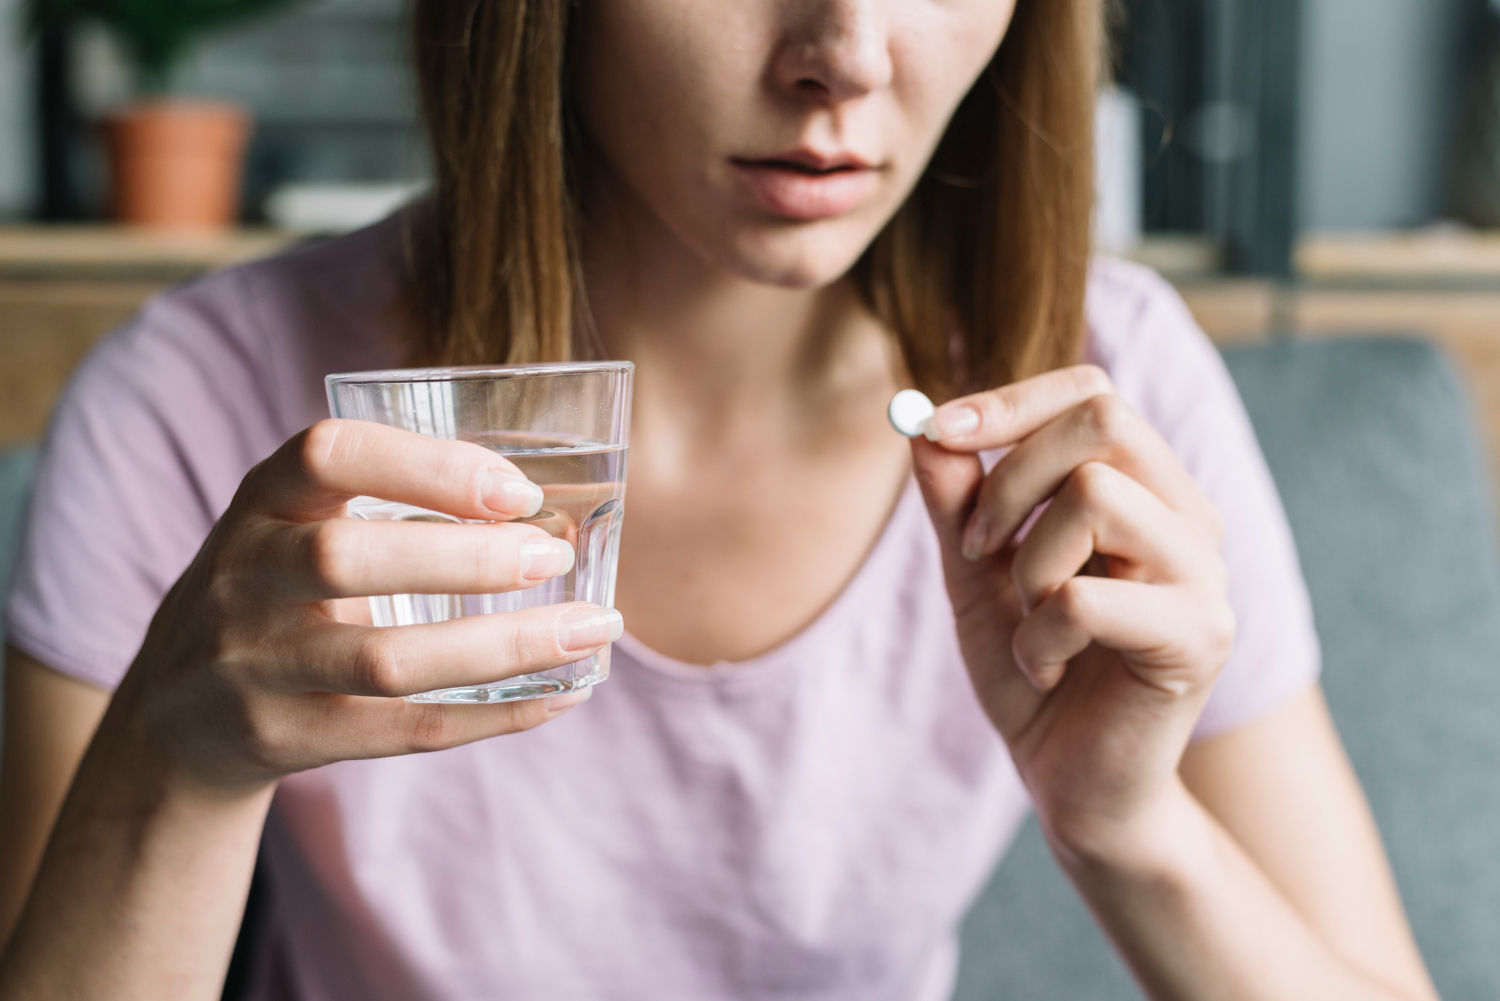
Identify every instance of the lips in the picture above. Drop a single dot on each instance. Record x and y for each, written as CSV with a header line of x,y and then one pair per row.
x,y
805,184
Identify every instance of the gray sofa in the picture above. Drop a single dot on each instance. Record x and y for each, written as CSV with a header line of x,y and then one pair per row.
x,y
15,476
1372,446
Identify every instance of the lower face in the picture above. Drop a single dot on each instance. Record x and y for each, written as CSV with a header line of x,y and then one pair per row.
x,y
775,138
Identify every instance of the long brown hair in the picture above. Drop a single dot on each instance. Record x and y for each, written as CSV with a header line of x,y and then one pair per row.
x,y
980,274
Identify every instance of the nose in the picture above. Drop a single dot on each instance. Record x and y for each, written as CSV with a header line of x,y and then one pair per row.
x,y
834,50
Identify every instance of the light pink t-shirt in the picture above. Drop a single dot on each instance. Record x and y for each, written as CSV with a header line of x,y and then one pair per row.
x,y
812,824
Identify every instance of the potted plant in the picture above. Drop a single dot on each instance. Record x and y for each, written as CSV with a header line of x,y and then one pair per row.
x,y
172,162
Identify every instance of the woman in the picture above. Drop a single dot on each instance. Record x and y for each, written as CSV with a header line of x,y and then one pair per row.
x,y
843,681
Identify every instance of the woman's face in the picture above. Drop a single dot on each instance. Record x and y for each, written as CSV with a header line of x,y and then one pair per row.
x,y
775,138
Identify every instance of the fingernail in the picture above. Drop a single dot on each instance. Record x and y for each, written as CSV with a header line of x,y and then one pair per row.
x,y
513,496
557,704
545,558
975,537
952,420
588,626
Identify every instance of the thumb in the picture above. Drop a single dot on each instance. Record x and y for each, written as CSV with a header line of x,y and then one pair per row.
x,y
950,484
984,601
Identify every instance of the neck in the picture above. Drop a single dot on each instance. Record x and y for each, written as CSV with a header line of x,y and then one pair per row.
x,y
716,347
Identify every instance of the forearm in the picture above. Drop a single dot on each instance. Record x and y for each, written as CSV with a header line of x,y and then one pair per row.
x,y
141,889
1190,911
49,720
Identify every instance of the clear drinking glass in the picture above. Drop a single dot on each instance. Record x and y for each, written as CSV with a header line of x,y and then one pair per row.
x,y
566,426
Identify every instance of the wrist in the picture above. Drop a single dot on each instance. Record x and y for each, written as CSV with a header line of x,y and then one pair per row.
x,y
145,752
1157,839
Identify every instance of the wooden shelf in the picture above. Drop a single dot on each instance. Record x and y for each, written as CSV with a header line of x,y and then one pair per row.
x,y
1437,256
124,253
1432,256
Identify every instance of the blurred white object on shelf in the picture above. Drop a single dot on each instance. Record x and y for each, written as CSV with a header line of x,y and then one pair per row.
x,y
1117,171
336,208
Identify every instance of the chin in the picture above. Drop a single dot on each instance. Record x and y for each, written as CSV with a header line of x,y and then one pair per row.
x,y
794,257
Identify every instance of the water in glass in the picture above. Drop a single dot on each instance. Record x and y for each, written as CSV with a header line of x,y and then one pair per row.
x,y
584,487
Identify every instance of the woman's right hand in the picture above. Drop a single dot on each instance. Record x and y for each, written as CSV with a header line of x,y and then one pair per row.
x,y
249,672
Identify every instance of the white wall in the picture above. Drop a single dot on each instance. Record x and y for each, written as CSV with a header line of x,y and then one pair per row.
x,y
1380,86
17,183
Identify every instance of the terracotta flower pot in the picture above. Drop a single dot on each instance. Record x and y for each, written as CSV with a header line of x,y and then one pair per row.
x,y
177,164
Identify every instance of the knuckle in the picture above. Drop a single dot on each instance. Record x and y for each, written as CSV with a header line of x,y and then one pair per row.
x,y
496,555
460,467
489,558
252,482
228,604
1074,601
432,729
222,587
232,560
262,740
1221,631
336,553
1000,408
1023,572
315,451
1109,418
470,472
525,643
1093,379
378,667
1092,486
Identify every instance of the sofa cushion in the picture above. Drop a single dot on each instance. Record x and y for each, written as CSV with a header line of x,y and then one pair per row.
x,y
16,465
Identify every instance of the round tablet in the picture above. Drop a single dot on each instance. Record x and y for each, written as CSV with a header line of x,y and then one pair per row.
x,y
909,411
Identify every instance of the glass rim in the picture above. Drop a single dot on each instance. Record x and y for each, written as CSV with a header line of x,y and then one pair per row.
x,y
463,373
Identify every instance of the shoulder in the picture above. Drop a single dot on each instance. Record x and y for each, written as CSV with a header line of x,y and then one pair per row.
x,y
258,334
1142,333
344,288
337,290
1136,320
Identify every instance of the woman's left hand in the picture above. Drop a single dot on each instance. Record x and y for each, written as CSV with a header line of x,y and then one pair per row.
x,y
1094,631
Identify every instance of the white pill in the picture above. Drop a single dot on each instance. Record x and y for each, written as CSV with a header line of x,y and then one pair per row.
x,y
909,412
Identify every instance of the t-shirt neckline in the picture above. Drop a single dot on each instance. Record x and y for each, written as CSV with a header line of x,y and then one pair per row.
x,y
788,651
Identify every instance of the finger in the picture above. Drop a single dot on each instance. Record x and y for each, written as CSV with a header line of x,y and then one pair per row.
x,y
1100,429
1171,637
347,557
395,661
950,483
983,606
355,611
999,417
349,728
420,727
323,467
1101,510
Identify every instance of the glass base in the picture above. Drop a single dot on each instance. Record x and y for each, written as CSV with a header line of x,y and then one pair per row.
x,y
525,686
